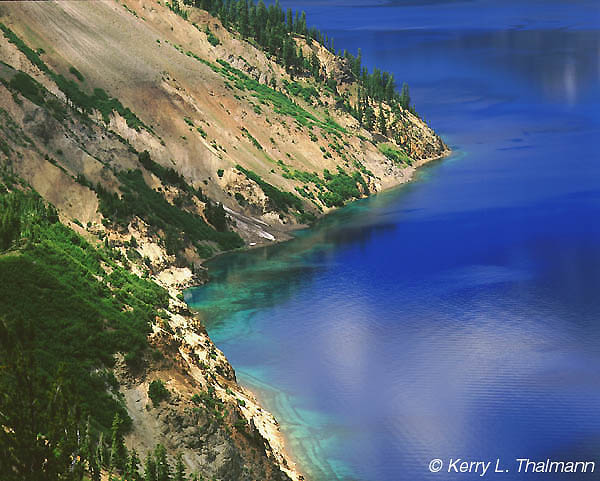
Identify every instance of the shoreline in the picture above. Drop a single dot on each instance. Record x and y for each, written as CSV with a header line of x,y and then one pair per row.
x,y
402,181
268,426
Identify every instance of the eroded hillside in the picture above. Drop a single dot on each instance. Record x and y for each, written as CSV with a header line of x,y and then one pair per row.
x,y
163,137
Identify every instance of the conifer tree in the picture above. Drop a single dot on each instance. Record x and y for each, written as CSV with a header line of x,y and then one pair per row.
x,y
149,468
163,470
133,466
86,442
405,97
382,121
100,452
118,451
94,467
179,469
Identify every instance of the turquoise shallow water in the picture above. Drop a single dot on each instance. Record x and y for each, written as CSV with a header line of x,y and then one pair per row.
x,y
456,316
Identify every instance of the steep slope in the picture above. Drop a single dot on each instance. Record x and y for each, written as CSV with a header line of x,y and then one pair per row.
x,y
162,137
204,118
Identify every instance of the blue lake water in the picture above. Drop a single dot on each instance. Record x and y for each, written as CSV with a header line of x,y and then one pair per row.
x,y
458,316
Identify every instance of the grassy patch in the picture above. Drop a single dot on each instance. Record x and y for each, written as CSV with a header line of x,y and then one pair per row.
x,y
76,73
395,155
280,199
255,142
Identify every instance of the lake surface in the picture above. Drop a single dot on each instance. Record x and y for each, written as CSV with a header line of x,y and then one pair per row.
x,y
458,316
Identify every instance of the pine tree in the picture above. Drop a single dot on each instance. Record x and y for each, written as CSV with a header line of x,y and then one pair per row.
x,y
149,468
390,88
405,97
315,65
118,451
86,442
382,121
133,466
100,452
179,469
94,467
163,470
302,26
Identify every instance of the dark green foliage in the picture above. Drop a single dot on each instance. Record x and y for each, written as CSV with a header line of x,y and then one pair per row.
x,y
38,413
215,214
29,88
10,221
179,226
36,93
76,73
58,285
157,392
179,470
252,139
167,175
341,187
298,90
118,451
306,218
150,468
396,155
405,97
240,199
133,470
176,7
212,39
163,470
31,55
211,402
280,200
220,173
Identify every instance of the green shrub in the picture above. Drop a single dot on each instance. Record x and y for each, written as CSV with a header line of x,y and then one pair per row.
x,y
395,155
212,39
280,200
240,199
157,392
341,187
252,139
76,73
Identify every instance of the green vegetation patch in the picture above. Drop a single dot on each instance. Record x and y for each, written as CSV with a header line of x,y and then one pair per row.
x,y
280,102
341,187
211,37
86,103
255,142
76,73
395,155
299,90
71,315
35,92
180,227
157,392
280,199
